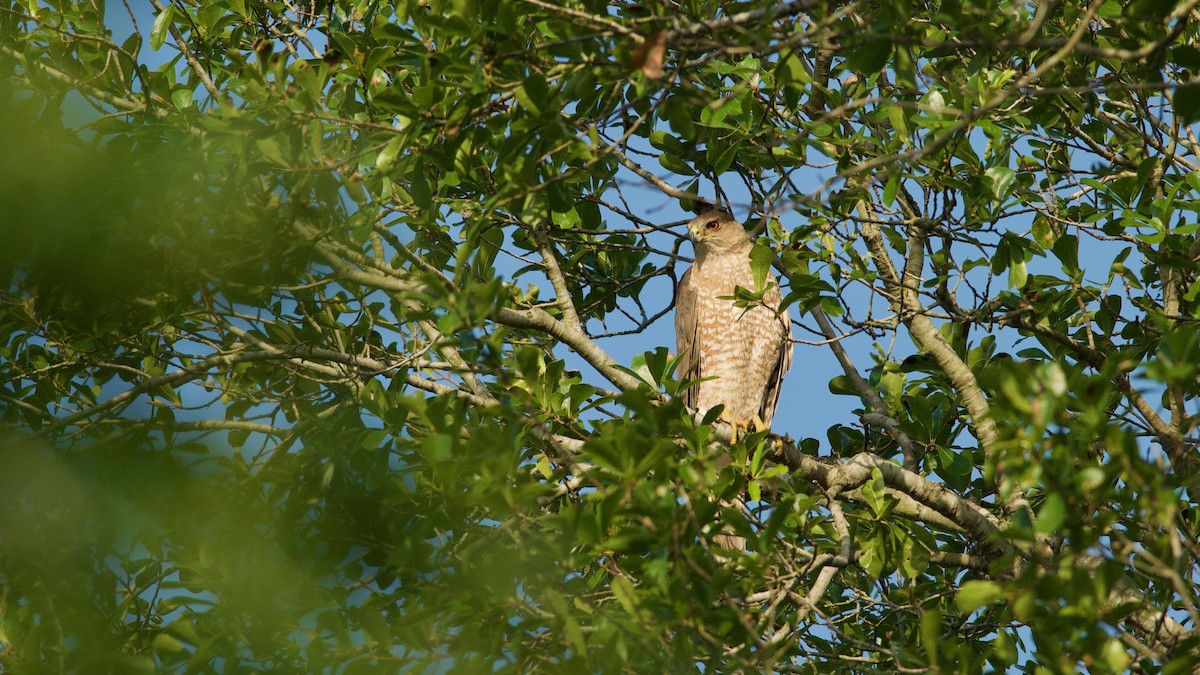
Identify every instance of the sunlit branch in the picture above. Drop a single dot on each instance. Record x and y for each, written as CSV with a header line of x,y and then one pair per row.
x,y
189,372
879,415
193,63
929,338
541,320
562,294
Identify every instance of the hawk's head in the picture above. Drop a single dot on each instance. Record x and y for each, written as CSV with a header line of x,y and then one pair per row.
x,y
718,232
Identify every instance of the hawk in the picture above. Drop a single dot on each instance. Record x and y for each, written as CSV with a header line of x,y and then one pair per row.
x,y
747,350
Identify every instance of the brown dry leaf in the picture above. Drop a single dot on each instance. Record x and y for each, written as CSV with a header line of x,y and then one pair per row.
x,y
649,55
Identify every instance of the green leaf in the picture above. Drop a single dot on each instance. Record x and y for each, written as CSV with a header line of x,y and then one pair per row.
x,y
1018,274
387,156
954,467
1187,105
164,643
543,466
872,557
639,367
1001,179
791,70
842,386
1193,179
875,494
625,593
1052,514
975,594
664,141
1111,9
465,9
534,94
158,34
574,632
891,190
1193,291
913,558
1066,249
1004,649
1116,656
761,258
437,447
422,195
674,164
869,57
1043,233
906,69
714,114
373,439
721,155
898,116
931,629
270,148
182,98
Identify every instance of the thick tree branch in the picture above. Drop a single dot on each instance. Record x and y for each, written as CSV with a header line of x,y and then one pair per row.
x,y
906,303
125,105
537,319
980,525
540,320
562,294
230,425
879,413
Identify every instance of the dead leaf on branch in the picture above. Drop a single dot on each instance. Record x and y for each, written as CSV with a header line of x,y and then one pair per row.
x,y
649,55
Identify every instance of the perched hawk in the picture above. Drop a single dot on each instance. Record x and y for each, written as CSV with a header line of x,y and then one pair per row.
x,y
747,350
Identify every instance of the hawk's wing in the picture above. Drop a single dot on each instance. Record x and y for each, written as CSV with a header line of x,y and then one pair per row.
x,y
772,299
687,336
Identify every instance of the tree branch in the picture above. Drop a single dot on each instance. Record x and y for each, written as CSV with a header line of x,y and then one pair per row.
x,y
666,188
182,375
193,63
714,26
540,320
906,303
562,294
123,104
879,415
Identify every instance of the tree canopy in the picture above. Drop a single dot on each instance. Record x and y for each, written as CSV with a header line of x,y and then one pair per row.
x,y
314,348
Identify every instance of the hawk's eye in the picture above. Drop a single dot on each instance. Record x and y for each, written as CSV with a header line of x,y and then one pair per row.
x,y
713,226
